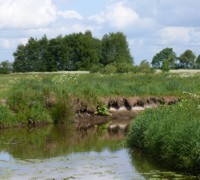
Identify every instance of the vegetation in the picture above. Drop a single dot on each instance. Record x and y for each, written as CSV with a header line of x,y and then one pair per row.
x,y
166,54
5,67
167,57
50,98
78,51
170,134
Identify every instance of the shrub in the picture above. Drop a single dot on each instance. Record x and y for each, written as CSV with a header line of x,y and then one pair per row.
x,y
124,67
96,68
109,69
170,134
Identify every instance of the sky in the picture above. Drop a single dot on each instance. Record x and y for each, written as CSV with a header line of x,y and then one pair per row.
x,y
149,25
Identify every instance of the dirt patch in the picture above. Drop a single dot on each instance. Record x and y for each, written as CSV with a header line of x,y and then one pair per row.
x,y
122,111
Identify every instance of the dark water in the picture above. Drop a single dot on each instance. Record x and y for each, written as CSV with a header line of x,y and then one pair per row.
x,y
61,152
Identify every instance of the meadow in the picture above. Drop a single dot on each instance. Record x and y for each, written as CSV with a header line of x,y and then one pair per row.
x,y
169,133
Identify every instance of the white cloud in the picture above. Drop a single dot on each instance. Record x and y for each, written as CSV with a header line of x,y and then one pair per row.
x,y
117,15
26,13
11,43
120,16
98,18
70,14
53,32
175,35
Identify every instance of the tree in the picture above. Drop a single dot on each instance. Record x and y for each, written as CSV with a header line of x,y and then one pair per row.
x,y
77,51
144,67
165,54
5,67
88,51
198,62
187,59
115,49
19,64
165,66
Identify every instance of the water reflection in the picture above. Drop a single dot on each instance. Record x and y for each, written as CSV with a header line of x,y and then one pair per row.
x,y
53,141
63,152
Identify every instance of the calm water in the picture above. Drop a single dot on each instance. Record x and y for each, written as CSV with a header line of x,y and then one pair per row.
x,y
63,153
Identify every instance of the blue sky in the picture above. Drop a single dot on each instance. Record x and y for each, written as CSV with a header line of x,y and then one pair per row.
x,y
149,25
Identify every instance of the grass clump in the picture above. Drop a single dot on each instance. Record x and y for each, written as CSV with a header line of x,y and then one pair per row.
x,y
6,116
35,100
170,134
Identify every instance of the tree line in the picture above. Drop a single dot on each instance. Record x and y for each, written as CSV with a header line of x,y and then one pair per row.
x,y
77,51
167,59
82,51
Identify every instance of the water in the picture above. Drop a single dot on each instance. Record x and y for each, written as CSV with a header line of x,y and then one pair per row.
x,y
60,152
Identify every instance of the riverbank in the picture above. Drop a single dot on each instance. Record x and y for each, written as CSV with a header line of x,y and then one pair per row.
x,y
112,100
170,134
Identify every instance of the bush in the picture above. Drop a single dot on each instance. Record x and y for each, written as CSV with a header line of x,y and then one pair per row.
x,y
109,69
170,134
96,68
124,67
5,67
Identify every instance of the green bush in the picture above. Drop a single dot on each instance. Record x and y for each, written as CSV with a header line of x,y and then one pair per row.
x,y
109,69
170,134
124,68
96,68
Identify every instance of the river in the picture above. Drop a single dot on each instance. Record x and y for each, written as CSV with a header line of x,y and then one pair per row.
x,y
62,152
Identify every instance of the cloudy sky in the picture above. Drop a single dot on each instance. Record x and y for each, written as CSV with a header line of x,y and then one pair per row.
x,y
149,25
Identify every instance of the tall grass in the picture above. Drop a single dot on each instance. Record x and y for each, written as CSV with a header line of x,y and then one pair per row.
x,y
170,134
49,97
36,99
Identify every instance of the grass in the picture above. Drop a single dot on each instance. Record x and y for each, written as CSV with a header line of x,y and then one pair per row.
x,y
170,134
49,97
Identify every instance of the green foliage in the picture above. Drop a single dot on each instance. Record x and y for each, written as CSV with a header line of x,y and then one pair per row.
x,y
170,134
6,116
115,49
5,67
77,51
165,66
124,67
144,67
96,68
39,100
102,110
165,54
109,69
187,59
62,111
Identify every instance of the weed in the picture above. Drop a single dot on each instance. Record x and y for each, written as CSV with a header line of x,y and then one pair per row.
x,y
102,110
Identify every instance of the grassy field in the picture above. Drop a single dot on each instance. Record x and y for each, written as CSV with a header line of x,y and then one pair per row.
x,y
49,97
171,133
174,83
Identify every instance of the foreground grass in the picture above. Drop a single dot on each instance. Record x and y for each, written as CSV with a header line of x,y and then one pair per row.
x,y
170,134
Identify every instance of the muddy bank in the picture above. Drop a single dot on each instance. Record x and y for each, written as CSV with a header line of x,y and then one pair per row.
x,y
121,112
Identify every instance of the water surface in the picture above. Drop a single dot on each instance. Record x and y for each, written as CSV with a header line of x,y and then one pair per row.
x,y
61,152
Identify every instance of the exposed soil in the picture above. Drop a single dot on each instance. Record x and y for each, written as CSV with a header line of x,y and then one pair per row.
x,y
122,111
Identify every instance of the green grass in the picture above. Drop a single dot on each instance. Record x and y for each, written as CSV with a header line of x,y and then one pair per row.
x,y
28,94
112,85
170,134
